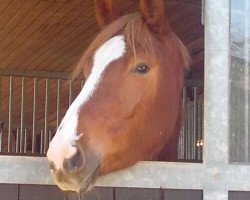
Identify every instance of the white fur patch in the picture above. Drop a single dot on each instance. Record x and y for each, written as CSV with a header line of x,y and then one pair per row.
x,y
60,146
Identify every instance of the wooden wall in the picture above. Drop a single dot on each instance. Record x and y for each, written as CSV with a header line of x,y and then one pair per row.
x,y
43,192
38,192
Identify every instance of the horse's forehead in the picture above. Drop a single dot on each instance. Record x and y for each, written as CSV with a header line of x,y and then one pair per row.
x,y
111,50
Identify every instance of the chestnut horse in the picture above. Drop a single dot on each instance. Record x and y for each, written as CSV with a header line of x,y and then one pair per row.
x,y
130,106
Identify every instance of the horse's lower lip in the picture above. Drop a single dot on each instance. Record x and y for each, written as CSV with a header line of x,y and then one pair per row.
x,y
88,183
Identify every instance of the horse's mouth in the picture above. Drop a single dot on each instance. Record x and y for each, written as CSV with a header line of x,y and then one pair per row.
x,y
89,181
79,182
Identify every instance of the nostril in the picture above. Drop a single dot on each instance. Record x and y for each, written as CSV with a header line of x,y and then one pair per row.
x,y
75,162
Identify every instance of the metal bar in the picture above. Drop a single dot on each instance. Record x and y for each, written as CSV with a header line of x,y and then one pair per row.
x,y
58,102
155,175
192,134
25,141
41,142
247,80
32,74
21,142
34,115
189,141
1,137
1,97
195,119
216,113
22,113
17,141
45,142
165,174
184,103
10,114
1,123
46,115
199,130
216,74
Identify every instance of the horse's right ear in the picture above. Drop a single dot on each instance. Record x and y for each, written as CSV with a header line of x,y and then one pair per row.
x,y
153,13
105,11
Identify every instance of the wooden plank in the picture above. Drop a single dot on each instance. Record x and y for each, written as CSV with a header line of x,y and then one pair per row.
x,y
56,41
182,195
28,37
25,22
138,194
8,192
4,5
65,44
9,12
40,192
71,52
16,19
236,195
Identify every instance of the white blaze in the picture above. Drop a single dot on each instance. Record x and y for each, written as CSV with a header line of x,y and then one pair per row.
x,y
60,146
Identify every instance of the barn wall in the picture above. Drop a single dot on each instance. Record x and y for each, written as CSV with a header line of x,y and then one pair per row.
x,y
42,192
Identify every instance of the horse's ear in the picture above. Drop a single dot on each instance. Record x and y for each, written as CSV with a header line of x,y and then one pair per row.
x,y
105,11
153,13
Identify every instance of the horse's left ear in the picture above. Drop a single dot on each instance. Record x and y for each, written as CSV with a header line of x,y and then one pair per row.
x,y
153,13
106,12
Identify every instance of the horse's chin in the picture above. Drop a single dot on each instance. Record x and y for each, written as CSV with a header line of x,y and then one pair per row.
x,y
80,186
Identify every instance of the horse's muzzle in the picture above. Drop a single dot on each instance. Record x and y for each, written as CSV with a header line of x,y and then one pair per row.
x,y
79,172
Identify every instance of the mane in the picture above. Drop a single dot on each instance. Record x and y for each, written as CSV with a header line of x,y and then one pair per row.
x,y
137,36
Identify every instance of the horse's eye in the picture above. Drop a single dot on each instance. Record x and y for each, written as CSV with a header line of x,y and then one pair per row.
x,y
141,68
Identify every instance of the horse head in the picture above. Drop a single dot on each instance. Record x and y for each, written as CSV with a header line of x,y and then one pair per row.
x,y
129,107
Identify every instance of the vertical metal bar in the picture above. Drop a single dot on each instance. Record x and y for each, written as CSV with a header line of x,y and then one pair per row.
x,y
46,113
25,141
1,98
216,126
184,105
45,142
70,92
10,114
202,128
34,115
199,130
41,141
192,135
1,137
195,120
58,102
217,74
21,142
22,113
17,141
247,80
1,123
187,134
190,132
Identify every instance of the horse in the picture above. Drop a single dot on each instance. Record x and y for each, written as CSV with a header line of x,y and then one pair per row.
x,y
130,106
